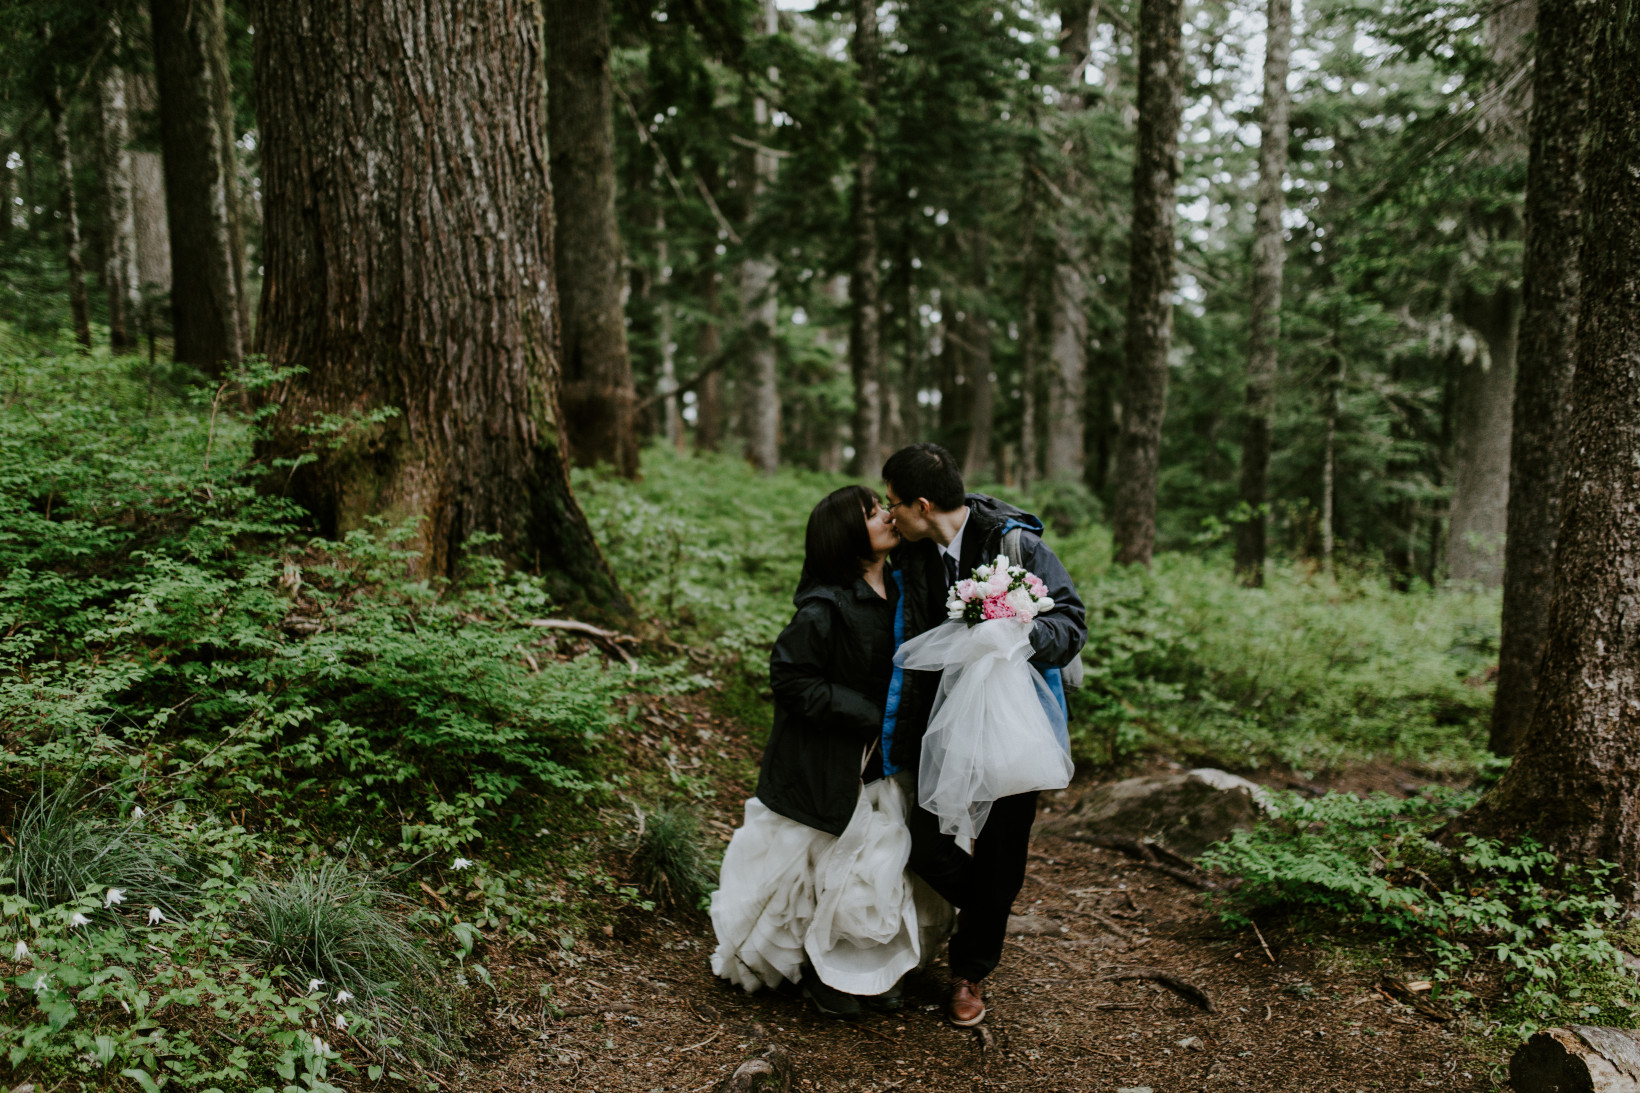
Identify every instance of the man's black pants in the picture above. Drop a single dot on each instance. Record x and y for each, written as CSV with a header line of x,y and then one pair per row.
x,y
981,886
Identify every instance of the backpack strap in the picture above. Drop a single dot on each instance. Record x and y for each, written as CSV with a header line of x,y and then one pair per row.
x,y
1010,544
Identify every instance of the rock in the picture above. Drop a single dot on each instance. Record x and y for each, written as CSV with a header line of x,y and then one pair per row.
x,y
1186,813
1034,926
769,1070
1191,1043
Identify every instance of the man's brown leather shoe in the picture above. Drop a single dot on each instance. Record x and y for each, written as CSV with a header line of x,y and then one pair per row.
x,y
967,1006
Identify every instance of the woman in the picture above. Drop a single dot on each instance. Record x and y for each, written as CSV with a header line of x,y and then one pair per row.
x,y
814,888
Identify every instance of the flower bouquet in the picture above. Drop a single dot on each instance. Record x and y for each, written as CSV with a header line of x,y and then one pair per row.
x,y
996,728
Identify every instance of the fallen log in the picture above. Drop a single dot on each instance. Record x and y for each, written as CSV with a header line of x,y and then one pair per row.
x,y
1583,1058
768,1071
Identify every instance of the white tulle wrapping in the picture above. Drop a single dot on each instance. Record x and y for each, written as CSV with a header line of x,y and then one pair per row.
x,y
996,729
847,905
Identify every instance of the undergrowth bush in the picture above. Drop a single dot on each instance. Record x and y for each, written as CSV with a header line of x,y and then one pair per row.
x,y
1543,928
670,865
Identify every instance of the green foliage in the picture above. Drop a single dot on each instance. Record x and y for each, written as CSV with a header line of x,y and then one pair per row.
x,y
336,928
668,859
1544,926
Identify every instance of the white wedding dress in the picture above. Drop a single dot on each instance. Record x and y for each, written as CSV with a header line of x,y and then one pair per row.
x,y
847,906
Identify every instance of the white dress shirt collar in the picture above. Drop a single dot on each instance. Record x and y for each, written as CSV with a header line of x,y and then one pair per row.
x,y
954,547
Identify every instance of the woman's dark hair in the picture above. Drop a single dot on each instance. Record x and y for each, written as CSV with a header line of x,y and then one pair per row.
x,y
925,470
837,542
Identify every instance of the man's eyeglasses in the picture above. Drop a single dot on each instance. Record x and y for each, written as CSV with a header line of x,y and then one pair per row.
x,y
890,508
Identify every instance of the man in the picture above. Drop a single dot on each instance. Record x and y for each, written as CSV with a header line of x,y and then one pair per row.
x,y
946,532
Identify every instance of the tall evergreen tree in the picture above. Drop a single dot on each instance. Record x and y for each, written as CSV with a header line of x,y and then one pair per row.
x,y
209,311
1574,783
120,276
864,350
1547,355
62,153
759,298
1150,278
598,398
1269,255
409,271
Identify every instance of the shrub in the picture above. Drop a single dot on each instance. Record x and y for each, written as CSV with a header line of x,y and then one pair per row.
x,y
1540,924
668,861
336,928
62,849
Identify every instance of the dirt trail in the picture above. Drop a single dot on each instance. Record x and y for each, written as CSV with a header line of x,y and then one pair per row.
x,y
647,1014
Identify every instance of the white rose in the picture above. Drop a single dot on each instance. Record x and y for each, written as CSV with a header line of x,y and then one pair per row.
x,y
1043,604
955,610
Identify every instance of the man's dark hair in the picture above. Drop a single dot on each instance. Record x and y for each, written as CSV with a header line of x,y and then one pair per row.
x,y
837,541
926,470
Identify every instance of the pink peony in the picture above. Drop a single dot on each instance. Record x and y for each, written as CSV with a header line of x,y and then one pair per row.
x,y
996,607
1037,584
965,590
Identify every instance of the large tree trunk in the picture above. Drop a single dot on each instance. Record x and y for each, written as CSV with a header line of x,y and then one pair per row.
x,y
120,277
598,398
1269,254
864,350
1483,415
1545,356
1575,782
760,306
153,230
409,270
208,308
1150,292
1480,446
63,154
1068,337
976,351
1029,322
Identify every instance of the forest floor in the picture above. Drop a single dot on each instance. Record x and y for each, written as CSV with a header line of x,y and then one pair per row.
x,y
643,1012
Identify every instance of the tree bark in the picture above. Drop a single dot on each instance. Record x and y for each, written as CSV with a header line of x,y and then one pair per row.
x,y
760,306
1269,254
1150,295
1065,455
864,350
409,271
1483,415
598,397
1481,440
63,153
1575,781
976,336
1029,321
153,231
209,313
1587,1058
1545,357
120,277
708,344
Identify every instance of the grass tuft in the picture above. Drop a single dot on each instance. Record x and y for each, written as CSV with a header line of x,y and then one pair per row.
x,y
670,864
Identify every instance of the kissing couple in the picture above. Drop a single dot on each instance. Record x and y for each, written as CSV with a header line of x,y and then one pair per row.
x,y
895,799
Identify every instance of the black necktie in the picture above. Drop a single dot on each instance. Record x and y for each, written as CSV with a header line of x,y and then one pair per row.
x,y
950,569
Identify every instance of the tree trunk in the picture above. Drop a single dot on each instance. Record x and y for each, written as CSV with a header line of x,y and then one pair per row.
x,y
1545,356
1269,254
1150,293
1029,321
671,418
208,307
153,232
1574,783
409,270
6,188
760,306
63,154
1068,337
598,398
1480,456
120,275
864,350
1483,416
1329,470
708,344
1585,1058
976,336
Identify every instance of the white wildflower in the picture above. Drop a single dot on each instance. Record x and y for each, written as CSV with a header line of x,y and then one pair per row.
x,y
113,896
78,919
155,917
137,813
319,1046
315,984
344,997
460,863
341,1023
42,982
20,953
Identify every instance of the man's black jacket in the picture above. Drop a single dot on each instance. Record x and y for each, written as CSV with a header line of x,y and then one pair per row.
x,y
1056,637
830,670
